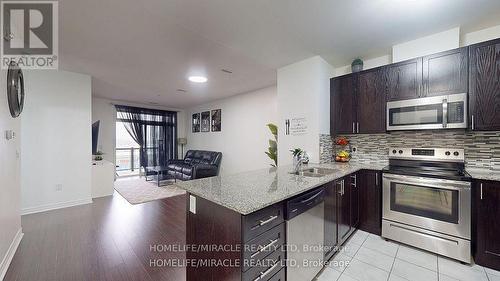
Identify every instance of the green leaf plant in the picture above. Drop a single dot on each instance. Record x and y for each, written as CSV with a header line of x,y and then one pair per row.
x,y
272,151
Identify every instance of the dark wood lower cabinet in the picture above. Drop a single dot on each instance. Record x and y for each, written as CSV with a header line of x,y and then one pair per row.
x,y
353,185
370,201
344,212
256,239
341,211
331,223
486,214
350,201
213,225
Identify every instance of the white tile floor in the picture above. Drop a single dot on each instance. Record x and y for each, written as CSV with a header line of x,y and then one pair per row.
x,y
367,257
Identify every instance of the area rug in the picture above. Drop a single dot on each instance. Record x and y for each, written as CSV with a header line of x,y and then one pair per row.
x,y
137,190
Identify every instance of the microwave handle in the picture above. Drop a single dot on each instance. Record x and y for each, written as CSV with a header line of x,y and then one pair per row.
x,y
445,113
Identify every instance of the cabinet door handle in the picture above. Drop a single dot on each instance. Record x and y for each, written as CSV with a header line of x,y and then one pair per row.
x,y
481,191
263,274
340,187
472,121
271,243
355,181
353,128
357,127
270,219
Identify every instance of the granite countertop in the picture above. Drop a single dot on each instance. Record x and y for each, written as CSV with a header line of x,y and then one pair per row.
x,y
251,191
483,174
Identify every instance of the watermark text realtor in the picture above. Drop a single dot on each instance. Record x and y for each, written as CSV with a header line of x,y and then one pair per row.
x,y
29,34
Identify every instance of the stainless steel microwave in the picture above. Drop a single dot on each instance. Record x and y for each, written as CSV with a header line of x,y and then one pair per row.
x,y
442,112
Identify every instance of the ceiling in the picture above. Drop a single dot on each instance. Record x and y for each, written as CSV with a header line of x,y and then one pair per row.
x,y
143,51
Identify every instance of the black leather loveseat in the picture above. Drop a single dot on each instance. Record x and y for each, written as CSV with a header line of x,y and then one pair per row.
x,y
196,164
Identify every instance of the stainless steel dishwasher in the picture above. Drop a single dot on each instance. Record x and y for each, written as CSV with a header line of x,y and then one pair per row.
x,y
305,235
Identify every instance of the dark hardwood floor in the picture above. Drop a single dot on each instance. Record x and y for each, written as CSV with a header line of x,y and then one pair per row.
x,y
107,240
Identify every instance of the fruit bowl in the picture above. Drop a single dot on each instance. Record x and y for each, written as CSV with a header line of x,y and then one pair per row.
x,y
343,156
342,159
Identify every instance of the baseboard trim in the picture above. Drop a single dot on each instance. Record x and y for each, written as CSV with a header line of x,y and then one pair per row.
x,y
7,259
55,206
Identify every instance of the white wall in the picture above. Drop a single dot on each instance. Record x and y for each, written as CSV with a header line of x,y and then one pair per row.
x,y
104,110
428,45
244,135
56,144
435,43
481,35
10,188
304,92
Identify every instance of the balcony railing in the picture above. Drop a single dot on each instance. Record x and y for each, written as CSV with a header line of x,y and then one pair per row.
x,y
128,161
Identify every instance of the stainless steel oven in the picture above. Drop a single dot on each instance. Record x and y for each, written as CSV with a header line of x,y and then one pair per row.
x,y
442,112
434,204
427,201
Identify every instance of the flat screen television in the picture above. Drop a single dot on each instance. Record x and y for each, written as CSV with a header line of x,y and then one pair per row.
x,y
95,136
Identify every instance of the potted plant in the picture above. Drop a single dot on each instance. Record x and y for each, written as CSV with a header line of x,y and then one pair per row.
x,y
272,151
98,156
357,65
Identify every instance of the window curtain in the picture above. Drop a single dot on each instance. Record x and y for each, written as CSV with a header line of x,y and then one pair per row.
x,y
155,131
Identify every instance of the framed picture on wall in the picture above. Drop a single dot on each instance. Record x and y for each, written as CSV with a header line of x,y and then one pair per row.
x,y
196,123
205,121
216,120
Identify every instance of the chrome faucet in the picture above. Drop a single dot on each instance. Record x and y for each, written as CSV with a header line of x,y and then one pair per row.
x,y
298,166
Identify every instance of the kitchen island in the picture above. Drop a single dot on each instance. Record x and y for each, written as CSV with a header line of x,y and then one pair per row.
x,y
232,218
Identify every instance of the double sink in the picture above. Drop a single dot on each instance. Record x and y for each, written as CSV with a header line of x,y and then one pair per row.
x,y
315,172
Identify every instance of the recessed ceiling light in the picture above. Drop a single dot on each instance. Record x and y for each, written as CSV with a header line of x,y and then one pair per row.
x,y
198,79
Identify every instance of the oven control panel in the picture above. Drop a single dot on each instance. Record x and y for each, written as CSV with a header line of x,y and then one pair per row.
x,y
428,154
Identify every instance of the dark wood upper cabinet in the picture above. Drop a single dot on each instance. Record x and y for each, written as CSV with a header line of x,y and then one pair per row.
x,y
486,207
371,102
342,104
404,80
484,85
370,201
445,73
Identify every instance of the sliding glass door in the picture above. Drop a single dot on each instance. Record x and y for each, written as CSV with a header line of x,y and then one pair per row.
x,y
155,132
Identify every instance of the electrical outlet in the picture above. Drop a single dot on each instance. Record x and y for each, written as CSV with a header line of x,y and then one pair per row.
x,y
9,134
59,187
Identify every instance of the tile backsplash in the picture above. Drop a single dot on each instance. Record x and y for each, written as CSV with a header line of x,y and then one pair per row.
x,y
482,149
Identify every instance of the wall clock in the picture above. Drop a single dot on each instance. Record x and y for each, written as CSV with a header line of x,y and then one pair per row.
x,y
15,89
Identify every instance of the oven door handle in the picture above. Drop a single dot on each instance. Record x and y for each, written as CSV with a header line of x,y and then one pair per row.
x,y
431,182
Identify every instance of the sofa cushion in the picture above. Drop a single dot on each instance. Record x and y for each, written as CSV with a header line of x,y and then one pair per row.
x,y
196,164
202,157
181,168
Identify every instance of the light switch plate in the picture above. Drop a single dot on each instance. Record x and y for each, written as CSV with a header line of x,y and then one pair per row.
x,y
192,204
9,134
